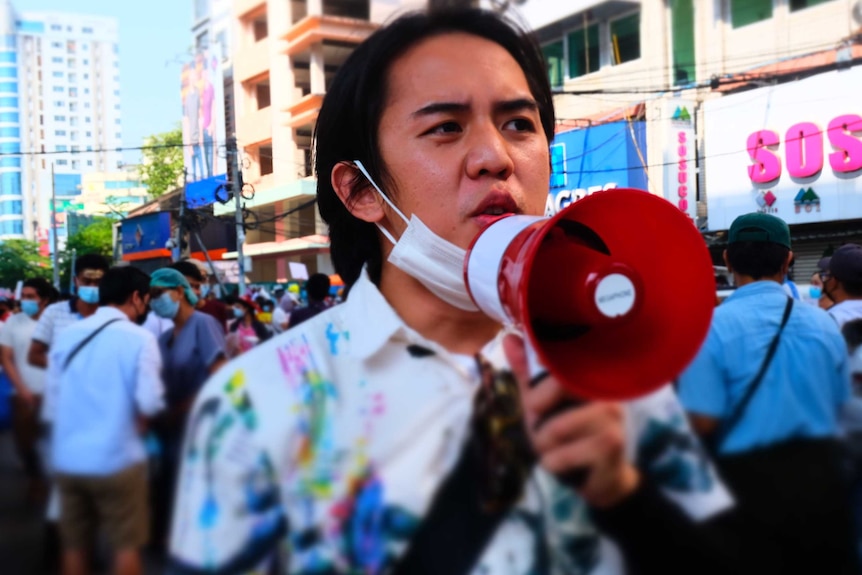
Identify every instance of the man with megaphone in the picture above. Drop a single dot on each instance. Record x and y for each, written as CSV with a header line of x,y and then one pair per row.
x,y
402,431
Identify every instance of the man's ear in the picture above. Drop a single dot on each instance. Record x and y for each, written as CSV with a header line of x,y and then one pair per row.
x,y
786,267
365,205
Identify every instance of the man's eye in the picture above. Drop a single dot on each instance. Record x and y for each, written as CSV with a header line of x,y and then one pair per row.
x,y
521,125
445,128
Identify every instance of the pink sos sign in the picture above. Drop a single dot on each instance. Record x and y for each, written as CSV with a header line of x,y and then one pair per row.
x,y
804,150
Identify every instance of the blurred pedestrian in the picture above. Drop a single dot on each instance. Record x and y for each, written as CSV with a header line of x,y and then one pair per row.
x,y
843,283
317,289
767,391
89,269
106,369
192,351
245,331
28,381
196,274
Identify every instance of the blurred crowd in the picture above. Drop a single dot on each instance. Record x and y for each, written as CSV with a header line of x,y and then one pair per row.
x,y
96,389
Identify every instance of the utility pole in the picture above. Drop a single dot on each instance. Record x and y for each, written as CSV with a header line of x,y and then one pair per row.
x,y
240,227
55,257
179,241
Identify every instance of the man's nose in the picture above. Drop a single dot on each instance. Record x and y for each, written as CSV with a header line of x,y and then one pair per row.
x,y
489,153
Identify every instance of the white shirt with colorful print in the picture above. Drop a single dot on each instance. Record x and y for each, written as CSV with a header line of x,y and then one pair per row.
x,y
320,450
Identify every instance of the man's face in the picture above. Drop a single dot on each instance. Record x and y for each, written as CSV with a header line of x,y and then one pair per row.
x,y
196,287
88,277
461,138
29,293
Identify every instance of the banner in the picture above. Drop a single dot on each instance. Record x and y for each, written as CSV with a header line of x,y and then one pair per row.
x,y
202,94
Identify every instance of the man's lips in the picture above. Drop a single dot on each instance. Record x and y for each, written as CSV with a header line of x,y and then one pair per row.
x,y
495,205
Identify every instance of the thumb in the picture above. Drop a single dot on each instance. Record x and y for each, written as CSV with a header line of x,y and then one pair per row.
x,y
516,354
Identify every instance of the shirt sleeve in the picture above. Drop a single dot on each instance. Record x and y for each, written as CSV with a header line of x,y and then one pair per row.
x,y
6,333
44,331
149,389
702,387
210,340
228,516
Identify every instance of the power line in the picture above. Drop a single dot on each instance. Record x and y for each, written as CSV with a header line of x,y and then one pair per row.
x,y
101,150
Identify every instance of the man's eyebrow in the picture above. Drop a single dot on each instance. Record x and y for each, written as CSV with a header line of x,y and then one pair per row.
x,y
460,107
440,108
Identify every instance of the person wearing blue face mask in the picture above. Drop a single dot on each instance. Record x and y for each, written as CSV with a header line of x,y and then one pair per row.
x,y
27,381
191,351
89,271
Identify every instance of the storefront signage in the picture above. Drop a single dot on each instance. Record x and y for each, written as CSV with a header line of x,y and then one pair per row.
x,y
793,150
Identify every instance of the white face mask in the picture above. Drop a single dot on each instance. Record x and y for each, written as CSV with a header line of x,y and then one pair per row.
x,y
434,262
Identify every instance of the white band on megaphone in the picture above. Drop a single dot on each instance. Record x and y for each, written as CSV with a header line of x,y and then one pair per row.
x,y
486,257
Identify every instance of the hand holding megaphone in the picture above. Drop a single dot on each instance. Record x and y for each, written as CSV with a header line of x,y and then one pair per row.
x,y
596,293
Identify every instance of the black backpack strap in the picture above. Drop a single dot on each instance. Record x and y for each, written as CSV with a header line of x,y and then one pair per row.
x,y
86,340
737,414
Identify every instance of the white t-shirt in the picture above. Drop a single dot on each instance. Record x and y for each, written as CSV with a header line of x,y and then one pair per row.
x,y
846,311
17,333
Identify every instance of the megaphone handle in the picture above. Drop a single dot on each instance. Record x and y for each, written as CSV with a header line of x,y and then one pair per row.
x,y
576,477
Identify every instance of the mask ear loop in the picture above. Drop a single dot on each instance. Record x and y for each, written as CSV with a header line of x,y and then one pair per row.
x,y
386,199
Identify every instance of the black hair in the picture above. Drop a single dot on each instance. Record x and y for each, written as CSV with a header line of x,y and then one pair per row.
x,y
188,269
43,288
349,117
757,259
91,262
317,287
852,332
120,282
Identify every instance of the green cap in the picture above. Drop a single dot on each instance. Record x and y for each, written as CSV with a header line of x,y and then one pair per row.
x,y
759,227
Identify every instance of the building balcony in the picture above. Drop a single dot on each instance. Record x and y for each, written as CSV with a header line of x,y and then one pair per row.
x,y
241,8
251,61
314,29
303,113
254,127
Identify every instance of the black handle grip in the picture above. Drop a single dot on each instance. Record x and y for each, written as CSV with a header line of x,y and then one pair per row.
x,y
576,477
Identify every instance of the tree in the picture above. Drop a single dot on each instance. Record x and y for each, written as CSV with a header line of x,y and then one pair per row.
x,y
96,238
19,260
162,168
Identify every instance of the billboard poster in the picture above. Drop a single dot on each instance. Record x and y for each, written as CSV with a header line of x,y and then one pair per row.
x,y
202,94
793,150
145,236
680,173
595,159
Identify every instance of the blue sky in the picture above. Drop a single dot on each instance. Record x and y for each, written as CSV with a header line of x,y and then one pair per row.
x,y
155,37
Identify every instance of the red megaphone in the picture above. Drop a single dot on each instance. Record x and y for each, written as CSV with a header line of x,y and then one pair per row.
x,y
614,293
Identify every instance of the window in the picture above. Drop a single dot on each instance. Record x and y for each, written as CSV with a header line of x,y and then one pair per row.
x,y
262,94
61,148
57,60
116,106
85,62
9,87
118,135
259,28
116,64
89,148
76,148
87,105
59,118
10,133
87,30
76,165
8,208
8,72
202,42
264,154
70,62
73,136
554,61
57,74
744,12
59,89
56,44
89,134
116,92
86,76
70,47
73,92
626,38
802,4
583,51
60,132
73,107
59,104
8,102
56,28
72,78
9,117
116,78
62,162
89,162
117,121
86,119
73,121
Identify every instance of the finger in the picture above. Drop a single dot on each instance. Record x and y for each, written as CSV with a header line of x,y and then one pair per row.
x,y
605,447
576,422
516,354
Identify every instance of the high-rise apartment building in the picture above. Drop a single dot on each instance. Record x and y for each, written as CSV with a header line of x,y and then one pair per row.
x,y
60,112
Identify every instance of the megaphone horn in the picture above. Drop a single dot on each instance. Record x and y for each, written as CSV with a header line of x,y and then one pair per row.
x,y
596,290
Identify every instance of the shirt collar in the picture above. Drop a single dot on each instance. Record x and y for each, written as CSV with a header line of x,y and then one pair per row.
x,y
370,319
108,312
757,288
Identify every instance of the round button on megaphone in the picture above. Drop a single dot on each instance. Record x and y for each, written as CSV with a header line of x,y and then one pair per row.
x,y
614,293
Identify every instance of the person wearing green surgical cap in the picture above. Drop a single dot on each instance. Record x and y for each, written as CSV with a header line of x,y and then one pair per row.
x,y
191,351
